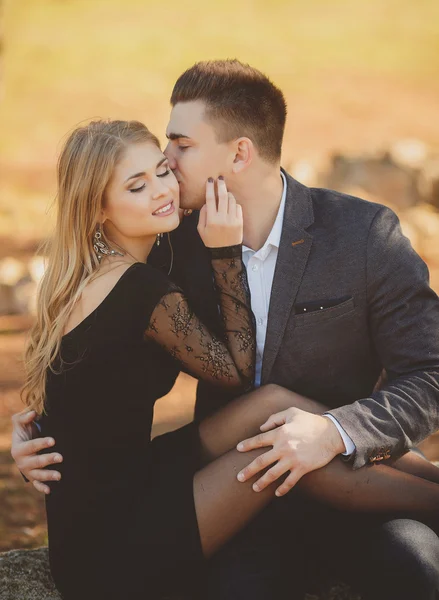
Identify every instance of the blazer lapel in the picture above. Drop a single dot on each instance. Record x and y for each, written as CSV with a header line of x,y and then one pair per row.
x,y
294,249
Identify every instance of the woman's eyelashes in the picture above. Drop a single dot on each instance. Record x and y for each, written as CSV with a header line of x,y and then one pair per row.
x,y
140,188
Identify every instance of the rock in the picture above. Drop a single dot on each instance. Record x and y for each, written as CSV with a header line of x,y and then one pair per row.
x,y
429,181
424,219
12,271
379,176
25,575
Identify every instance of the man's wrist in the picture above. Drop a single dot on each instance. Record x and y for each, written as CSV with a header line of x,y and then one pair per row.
x,y
336,440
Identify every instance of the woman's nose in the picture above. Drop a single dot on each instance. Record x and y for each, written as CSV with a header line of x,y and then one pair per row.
x,y
160,188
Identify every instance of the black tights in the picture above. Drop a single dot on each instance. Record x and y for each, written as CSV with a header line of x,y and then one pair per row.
x,y
224,505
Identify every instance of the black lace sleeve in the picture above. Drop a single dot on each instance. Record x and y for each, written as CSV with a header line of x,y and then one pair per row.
x,y
230,361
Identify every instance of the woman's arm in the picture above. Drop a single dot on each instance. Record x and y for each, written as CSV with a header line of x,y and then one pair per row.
x,y
229,361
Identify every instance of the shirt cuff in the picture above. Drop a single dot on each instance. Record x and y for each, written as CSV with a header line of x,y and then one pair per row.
x,y
348,443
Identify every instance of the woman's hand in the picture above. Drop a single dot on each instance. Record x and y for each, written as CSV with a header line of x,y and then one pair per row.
x,y
25,450
220,222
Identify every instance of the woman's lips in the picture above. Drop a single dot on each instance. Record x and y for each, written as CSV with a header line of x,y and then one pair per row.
x,y
165,210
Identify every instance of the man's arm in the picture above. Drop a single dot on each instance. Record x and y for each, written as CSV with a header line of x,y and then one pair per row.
x,y
25,451
404,324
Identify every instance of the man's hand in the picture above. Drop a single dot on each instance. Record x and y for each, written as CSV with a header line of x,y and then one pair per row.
x,y
301,442
24,451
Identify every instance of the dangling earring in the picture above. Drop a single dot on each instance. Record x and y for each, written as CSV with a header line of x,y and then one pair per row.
x,y
159,237
101,248
187,212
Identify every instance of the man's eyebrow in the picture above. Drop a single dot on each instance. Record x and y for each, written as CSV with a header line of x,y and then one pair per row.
x,y
164,159
176,136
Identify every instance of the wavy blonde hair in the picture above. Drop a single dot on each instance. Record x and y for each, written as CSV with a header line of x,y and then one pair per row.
x,y
85,166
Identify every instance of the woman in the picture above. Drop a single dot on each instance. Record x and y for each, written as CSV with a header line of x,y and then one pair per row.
x,y
130,517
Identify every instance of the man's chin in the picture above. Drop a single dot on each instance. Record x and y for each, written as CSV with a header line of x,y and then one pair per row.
x,y
191,203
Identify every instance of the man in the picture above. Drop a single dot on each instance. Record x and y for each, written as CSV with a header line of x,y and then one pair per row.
x,y
338,295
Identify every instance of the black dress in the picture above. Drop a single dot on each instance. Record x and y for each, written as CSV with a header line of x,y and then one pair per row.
x,y
122,521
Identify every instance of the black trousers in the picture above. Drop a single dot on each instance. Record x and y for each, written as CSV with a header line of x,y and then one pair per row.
x,y
297,545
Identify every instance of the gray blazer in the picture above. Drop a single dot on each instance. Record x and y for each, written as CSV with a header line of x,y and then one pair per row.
x,y
350,298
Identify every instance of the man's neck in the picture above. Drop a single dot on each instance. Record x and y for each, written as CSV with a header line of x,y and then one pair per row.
x,y
260,199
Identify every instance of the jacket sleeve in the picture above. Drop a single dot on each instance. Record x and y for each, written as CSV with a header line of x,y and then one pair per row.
x,y
403,313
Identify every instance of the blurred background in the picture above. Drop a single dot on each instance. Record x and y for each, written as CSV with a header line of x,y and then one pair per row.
x,y
362,85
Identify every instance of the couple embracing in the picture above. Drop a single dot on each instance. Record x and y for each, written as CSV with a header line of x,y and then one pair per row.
x,y
287,303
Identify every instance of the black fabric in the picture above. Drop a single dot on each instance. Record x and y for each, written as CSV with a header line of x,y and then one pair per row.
x,y
299,546
122,520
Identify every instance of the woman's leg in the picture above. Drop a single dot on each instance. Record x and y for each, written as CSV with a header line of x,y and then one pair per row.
x,y
241,419
224,505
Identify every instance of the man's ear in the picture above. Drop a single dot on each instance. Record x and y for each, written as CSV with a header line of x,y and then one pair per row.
x,y
244,153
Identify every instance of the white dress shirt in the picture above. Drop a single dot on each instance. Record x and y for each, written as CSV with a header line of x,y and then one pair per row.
x,y
260,267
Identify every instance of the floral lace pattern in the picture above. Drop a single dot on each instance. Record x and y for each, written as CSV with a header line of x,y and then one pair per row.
x,y
229,361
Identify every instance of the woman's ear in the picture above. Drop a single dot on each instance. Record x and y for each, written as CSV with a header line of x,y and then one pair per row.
x,y
102,217
244,152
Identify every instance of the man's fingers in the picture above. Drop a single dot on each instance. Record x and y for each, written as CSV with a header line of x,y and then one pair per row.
x,y
271,475
44,475
24,418
223,197
38,461
275,420
261,462
34,446
289,482
258,441
45,489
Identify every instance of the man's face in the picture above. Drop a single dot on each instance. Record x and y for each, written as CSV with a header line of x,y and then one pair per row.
x,y
193,152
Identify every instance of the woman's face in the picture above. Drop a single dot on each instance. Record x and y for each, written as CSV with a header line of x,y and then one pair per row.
x,y
142,196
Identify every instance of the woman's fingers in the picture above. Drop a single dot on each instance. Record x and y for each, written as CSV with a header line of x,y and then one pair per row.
x,y
239,213
223,198
202,219
261,462
210,199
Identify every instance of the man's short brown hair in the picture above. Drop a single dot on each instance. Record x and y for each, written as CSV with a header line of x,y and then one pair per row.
x,y
240,102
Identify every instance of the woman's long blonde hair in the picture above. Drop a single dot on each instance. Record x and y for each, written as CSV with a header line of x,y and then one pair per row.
x,y
85,166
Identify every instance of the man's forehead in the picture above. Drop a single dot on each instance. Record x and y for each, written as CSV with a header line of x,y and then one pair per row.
x,y
186,120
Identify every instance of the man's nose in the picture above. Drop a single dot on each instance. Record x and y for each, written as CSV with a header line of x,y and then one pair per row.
x,y
170,156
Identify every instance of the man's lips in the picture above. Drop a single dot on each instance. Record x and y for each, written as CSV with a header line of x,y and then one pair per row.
x,y
165,210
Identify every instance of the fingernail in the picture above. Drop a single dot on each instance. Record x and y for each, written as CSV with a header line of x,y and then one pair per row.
x,y
57,477
220,178
240,447
277,493
241,476
50,442
57,458
210,180
256,487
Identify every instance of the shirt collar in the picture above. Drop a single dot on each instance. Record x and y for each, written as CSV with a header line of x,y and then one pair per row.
x,y
273,240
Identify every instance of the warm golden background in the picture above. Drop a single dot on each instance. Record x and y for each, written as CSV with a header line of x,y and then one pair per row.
x,y
361,79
